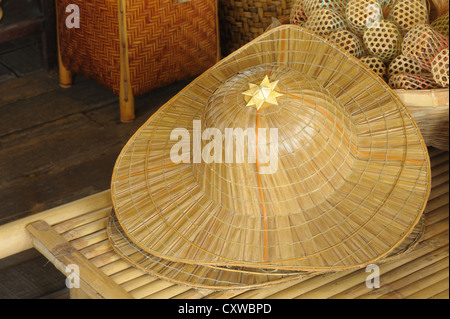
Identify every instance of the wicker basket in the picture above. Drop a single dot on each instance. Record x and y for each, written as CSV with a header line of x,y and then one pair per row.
x,y
243,20
134,46
430,108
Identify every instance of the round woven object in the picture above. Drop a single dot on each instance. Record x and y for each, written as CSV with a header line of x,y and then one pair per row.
x,y
440,68
298,15
408,13
404,64
376,65
422,43
325,21
348,41
361,13
348,185
336,5
405,81
441,25
383,41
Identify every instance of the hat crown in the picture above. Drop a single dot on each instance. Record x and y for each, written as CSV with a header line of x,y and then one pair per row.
x,y
284,111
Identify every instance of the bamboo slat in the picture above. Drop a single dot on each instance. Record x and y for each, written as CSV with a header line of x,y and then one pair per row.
x,y
420,273
62,254
419,288
442,295
401,281
14,238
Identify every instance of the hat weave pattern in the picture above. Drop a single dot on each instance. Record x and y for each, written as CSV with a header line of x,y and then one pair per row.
x,y
353,170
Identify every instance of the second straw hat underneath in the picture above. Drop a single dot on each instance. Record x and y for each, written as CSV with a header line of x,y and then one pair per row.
x,y
352,173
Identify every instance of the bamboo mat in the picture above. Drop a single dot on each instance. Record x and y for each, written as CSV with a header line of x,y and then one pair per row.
x,y
420,273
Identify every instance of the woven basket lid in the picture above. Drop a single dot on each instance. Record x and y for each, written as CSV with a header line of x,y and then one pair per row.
x,y
352,177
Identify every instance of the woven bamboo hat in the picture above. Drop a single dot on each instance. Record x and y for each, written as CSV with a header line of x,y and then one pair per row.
x,y
352,176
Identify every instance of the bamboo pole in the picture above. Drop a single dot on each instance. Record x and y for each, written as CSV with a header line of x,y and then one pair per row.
x,y
14,238
65,75
62,254
126,96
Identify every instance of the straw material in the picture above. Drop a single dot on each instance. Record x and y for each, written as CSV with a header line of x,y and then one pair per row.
x,y
198,276
440,68
297,15
383,41
167,41
376,65
430,109
353,171
325,21
335,5
423,43
404,64
243,20
441,25
358,13
424,81
406,14
219,278
348,41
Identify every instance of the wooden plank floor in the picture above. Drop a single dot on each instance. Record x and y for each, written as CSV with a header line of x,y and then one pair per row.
x,y
56,146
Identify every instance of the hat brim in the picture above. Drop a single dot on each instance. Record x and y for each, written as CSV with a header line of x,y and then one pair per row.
x,y
217,278
198,276
163,211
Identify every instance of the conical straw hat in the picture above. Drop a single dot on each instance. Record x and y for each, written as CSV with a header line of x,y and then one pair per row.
x,y
352,171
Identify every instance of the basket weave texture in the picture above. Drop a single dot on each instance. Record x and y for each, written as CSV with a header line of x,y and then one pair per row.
x,y
167,41
243,20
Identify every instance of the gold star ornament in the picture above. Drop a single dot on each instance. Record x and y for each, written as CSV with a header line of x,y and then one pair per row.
x,y
262,95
